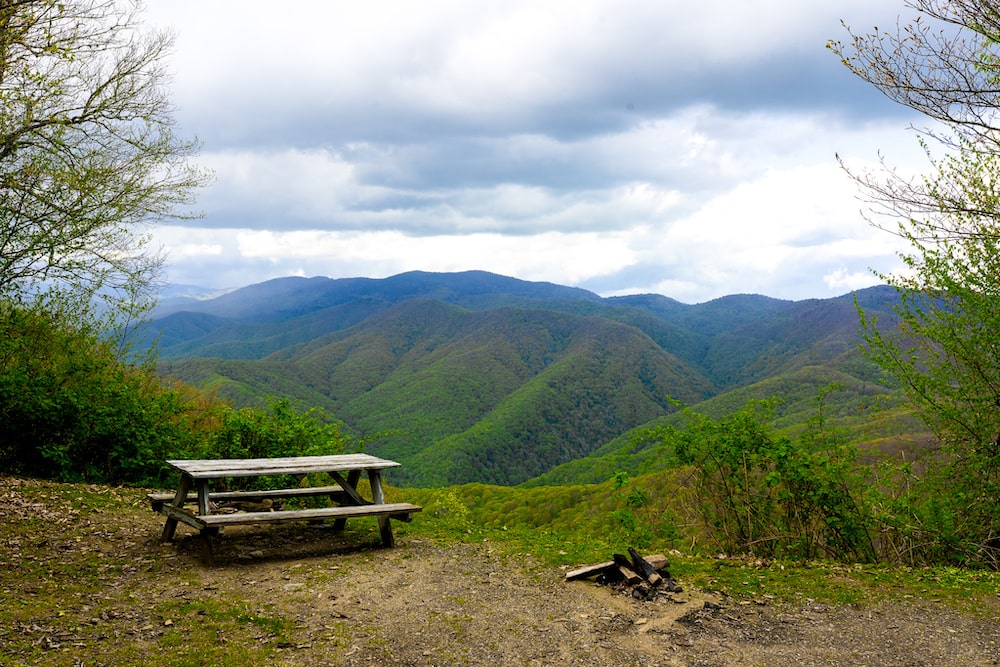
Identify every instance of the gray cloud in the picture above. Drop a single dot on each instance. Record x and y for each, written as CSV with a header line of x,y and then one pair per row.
x,y
618,145
451,77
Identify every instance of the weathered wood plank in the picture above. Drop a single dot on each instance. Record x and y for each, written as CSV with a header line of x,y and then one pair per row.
x,y
293,465
400,511
658,561
588,571
208,537
350,486
176,514
622,561
202,486
629,575
159,499
170,526
349,511
644,568
378,496
352,483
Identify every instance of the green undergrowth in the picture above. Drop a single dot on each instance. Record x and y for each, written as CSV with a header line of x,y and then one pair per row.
x,y
84,580
756,581
584,525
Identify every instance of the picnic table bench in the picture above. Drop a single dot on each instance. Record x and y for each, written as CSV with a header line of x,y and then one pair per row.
x,y
345,469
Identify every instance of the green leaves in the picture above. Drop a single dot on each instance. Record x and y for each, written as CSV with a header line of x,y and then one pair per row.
x,y
88,154
946,357
760,493
946,352
71,409
278,431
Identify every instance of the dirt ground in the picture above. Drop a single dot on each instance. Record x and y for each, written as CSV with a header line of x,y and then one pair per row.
x,y
427,604
423,603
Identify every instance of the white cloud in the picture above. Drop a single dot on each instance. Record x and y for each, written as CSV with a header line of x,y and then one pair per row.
x,y
791,234
686,148
844,280
552,256
182,251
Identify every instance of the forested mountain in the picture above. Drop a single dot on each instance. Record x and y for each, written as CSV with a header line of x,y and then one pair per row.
x,y
476,377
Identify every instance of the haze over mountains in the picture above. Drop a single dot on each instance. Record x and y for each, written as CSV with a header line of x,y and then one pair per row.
x,y
478,377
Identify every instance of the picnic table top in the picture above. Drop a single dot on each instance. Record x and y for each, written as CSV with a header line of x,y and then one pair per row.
x,y
291,465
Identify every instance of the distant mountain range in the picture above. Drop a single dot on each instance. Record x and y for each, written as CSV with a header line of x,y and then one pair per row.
x,y
478,377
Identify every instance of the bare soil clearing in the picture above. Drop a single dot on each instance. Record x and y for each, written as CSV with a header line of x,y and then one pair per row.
x,y
95,587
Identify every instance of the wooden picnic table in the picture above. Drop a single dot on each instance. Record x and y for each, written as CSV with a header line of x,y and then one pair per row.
x,y
345,469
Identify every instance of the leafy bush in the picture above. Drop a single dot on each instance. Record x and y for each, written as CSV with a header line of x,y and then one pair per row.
x,y
639,522
762,493
935,511
71,409
279,431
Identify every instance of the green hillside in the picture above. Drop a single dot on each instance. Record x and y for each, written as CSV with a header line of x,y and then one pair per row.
x,y
607,379
500,395
868,414
473,377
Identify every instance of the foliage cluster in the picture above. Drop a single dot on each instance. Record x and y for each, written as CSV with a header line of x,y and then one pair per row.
x,y
948,364
600,518
71,409
866,414
279,431
88,153
760,492
764,494
738,486
944,64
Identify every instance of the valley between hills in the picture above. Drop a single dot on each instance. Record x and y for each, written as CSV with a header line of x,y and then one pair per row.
x,y
475,377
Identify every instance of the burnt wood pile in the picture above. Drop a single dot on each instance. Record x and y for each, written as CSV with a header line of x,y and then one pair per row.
x,y
645,577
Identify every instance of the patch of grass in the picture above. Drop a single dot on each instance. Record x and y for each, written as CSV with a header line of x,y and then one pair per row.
x,y
746,579
83,577
224,615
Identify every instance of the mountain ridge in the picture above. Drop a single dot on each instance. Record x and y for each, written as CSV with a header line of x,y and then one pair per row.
x,y
477,377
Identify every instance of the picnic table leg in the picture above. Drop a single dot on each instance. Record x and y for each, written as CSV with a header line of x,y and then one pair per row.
x,y
352,482
378,496
170,527
208,536
202,485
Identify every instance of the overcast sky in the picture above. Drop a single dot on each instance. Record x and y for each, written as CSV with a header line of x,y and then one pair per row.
x,y
682,148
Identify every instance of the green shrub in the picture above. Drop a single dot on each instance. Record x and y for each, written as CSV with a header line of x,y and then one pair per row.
x,y
278,431
72,409
760,493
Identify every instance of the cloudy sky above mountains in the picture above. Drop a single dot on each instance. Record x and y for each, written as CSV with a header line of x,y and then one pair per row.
x,y
683,148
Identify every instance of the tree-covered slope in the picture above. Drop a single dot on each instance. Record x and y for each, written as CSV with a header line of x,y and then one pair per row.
x,y
738,340
477,377
865,413
594,380
550,386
